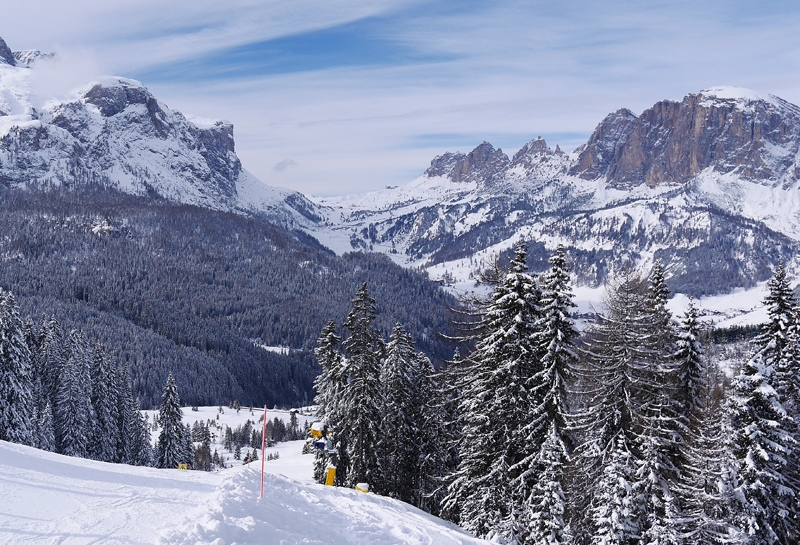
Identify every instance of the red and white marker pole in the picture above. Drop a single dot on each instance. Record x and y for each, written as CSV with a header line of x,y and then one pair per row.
x,y
263,454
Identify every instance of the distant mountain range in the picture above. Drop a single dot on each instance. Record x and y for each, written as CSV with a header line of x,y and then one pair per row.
x,y
709,185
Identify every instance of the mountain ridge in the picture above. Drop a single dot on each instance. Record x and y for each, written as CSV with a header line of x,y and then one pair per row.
x,y
712,178
715,174
113,132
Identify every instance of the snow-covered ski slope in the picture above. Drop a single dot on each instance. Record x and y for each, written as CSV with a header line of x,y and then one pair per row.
x,y
49,498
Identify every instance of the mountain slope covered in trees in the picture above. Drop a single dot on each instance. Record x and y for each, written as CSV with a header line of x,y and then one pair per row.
x,y
169,287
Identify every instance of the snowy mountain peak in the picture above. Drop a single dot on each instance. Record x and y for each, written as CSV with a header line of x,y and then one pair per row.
x,y
115,133
29,56
484,163
726,129
739,94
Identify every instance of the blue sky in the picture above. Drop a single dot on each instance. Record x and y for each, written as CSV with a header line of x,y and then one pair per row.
x,y
348,96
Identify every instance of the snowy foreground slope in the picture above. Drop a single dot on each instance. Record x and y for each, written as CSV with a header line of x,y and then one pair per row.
x,y
49,498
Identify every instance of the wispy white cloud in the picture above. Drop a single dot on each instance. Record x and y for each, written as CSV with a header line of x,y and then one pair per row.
x,y
458,70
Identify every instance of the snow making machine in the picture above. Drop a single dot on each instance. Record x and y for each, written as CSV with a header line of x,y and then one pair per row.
x,y
323,440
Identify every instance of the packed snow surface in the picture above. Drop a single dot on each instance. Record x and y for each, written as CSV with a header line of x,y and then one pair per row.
x,y
49,498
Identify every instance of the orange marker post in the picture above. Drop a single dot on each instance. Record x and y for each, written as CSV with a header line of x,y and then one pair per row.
x,y
263,454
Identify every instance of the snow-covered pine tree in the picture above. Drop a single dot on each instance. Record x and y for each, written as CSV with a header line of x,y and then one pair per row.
x,y
542,512
126,422
398,442
695,373
293,431
329,381
33,340
631,376
774,341
46,439
547,436
142,453
134,447
16,380
766,430
777,344
202,454
170,450
662,440
656,480
432,438
74,414
360,410
54,353
329,384
704,492
453,379
105,402
761,445
614,514
496,406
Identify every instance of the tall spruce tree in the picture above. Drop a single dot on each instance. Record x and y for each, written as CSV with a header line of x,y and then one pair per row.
x,y
761,445
765,443
74,413
16,380
398,442
704,491
547,434
105,403
187,446
432,436
630,414
46,437
142,450
542,518
171,447
496,407
33,340
360,413
454,378
330,385
54,353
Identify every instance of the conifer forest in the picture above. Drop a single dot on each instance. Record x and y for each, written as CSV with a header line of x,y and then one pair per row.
x,y
627,432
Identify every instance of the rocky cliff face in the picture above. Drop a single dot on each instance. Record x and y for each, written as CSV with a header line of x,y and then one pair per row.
x,y
730,132
484,164
6,56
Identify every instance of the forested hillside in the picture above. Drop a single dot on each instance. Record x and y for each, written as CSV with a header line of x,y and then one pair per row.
x,y
168,287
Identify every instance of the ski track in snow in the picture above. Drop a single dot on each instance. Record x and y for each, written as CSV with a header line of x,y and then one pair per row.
x,y
52,499
49,498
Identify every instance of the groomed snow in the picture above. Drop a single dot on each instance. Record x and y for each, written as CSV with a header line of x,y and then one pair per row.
x,y
49,498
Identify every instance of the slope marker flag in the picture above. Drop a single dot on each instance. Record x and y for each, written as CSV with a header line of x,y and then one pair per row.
x,y
263,454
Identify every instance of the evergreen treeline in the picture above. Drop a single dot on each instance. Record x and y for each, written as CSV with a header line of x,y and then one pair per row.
x,y
61,393
624,434
175,287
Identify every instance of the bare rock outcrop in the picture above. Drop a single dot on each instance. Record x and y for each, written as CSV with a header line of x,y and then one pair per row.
x,y
6,56
672,142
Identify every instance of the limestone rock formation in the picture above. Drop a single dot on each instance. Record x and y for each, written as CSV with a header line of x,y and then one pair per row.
x,y
726,130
